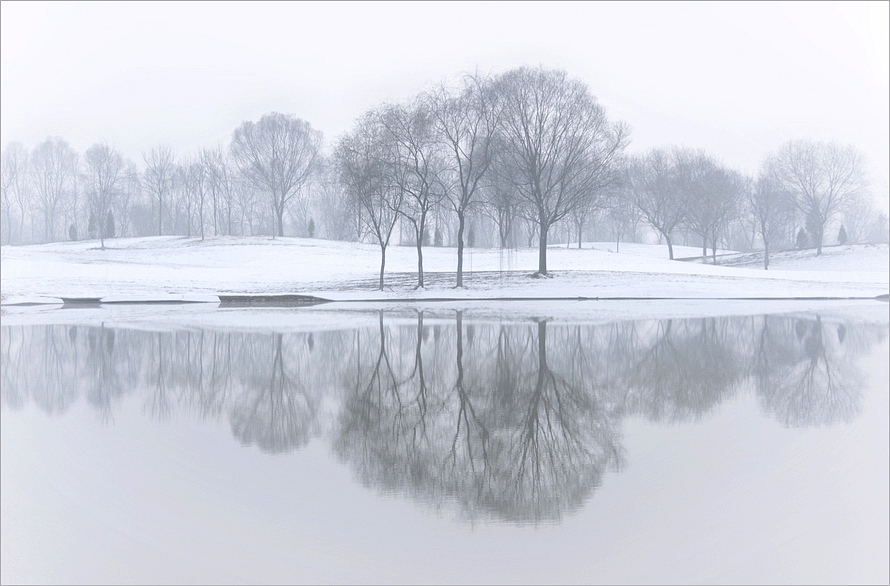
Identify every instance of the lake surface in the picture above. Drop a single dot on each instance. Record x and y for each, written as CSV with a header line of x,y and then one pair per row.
x,y
441,446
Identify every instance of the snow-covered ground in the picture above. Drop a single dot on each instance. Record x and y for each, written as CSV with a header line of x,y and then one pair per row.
x,y
171,268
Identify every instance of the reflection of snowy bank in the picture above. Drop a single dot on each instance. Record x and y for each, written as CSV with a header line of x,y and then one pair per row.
x,y
515,419
351,315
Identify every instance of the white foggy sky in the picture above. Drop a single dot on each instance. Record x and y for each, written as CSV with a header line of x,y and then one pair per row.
x,y
736,79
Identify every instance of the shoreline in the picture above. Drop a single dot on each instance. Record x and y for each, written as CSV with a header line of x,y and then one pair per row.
x,y
289,300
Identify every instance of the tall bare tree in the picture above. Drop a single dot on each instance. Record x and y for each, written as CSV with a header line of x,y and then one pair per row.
x,y
556,145
621,213
365,168
465,122
104,181
822,176
196,183
338,213
500,205
53,165
650,181
413,151
160,167
859,215
278,155
772,209
131,191
14,185
714,194
220,188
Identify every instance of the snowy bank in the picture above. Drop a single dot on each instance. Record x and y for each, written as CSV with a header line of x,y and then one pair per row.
x,y
181,269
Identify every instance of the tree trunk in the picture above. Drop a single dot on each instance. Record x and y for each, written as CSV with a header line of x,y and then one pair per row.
x,y
670,244
382,263
765,254
273,215
419,261
160,214
542,250
460,248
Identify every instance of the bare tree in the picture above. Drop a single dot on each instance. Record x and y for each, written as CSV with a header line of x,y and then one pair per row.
x,y
714,194
277,154
14,185
105,176
728,207
556,145
411,139
651,184
246,201
195,186
180,202
859,215
365,169
621,213
588,212
466,123
53,165
500,204
340,219
160,167
131,188
220,185
772,208
822,176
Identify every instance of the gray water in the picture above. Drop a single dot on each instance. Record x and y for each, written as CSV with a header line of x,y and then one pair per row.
x,y
418,447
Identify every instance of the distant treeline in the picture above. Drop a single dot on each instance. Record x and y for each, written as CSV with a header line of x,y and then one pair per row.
x,y
527,157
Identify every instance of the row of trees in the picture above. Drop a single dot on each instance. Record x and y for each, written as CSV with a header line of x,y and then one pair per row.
x,y
496,161
52,193
530,144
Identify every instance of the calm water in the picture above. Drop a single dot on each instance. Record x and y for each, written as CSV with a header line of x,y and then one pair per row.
x,y
420,447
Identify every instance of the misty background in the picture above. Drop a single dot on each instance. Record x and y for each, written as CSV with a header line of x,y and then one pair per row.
x,y
120,117
734,79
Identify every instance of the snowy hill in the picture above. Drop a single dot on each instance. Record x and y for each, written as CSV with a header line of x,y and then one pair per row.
x,y
176,267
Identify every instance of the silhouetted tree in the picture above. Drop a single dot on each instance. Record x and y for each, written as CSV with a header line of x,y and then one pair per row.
x,y
822,176
278,154
371,180
104,182
556,148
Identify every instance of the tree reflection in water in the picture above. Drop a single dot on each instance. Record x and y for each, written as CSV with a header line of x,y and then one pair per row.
x,y
513,421
501,433
813,378
681,370
280,415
